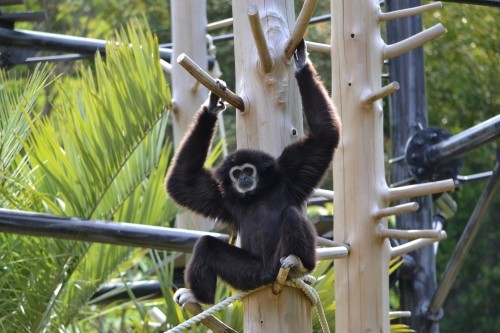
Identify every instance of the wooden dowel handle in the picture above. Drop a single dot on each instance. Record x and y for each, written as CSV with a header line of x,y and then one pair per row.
x,y
381,93
416,190
280,280
204,78
409,11
259,38
300,28
415,245
211,322
394,50
409,234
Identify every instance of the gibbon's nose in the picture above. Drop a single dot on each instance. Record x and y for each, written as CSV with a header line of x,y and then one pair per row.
x,y
245,181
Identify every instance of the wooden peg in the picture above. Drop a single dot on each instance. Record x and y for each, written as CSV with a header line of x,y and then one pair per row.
x,y
329,253
396,210
259,38
396,49
220,24
323,193
416,190
166,66
300,28
415,245
409,11
408,234
280,280
211,322
399,314
319,47
205,79
381,93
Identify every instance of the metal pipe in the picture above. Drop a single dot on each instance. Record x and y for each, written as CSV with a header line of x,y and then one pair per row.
x,y
463,142
464,244
490,3
58,42
118,233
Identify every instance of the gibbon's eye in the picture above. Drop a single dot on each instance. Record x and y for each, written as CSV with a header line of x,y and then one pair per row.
x,y
248,171
235,173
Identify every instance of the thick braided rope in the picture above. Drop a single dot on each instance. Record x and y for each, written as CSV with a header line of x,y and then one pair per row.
x,y
301,283
304,284
210,311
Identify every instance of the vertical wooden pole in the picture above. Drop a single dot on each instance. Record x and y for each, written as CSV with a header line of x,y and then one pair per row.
x,y
361,279
272,104
272,119
188,36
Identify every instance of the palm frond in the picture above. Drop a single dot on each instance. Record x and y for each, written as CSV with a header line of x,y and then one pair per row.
x,y
18,98
102,155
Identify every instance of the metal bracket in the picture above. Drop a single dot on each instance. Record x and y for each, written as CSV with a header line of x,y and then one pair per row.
x,y
418,163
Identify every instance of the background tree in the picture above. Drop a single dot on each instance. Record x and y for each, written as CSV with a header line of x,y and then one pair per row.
x,y
462,77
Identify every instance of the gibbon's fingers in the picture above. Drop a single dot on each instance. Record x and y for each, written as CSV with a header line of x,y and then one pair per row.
x,y
215,105
300,55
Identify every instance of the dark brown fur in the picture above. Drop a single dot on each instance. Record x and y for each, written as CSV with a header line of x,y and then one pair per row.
x,y
268,219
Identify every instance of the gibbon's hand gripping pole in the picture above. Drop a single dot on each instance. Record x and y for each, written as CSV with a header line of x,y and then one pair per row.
x,y
205,79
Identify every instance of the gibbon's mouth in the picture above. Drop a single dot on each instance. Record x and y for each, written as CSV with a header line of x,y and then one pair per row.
x,y
245,187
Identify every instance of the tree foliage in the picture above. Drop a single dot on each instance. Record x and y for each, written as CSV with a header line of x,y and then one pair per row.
x,y
102,154
462,80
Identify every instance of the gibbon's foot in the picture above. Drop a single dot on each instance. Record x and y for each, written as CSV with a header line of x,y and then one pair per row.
x,y
300,55
295,264
183,296
215,104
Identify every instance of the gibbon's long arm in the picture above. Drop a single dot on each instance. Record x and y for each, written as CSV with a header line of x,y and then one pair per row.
x,y
305,162
188,182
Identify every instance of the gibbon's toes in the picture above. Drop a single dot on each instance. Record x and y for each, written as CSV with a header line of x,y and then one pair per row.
x,y
290,261
183,296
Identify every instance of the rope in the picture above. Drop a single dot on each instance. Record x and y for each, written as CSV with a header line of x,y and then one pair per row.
x,y
301,283
304,284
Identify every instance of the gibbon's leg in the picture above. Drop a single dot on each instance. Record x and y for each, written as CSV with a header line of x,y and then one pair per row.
x,y
213,257
297,244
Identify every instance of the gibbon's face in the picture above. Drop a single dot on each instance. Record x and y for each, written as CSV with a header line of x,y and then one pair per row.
x,y
244,177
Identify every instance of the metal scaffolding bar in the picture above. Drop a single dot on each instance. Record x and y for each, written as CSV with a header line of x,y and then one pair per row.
x,y
466,240
118,233
465,141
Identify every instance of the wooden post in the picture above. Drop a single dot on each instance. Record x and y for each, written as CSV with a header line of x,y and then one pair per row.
x,y
188,36
272,119
361,193
361,279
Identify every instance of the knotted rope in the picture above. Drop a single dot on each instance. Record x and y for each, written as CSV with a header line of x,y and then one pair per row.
x,y
302,283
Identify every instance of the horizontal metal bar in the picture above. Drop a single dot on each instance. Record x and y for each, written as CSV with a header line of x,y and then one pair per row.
x,y
58,42
119,291
465,242
474,177
23,17
465,141
57,57
490,3
118,233
11,2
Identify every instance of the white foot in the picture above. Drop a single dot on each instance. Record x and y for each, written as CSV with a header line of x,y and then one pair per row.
x,y
295,264
183,296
